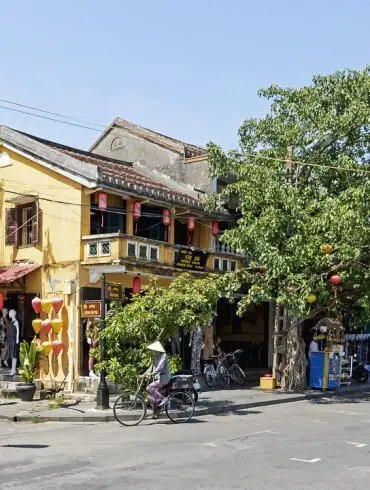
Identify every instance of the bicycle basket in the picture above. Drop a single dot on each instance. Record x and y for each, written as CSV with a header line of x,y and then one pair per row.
x,y
181,382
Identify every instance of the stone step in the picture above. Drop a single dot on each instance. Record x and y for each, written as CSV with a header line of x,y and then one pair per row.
x,y
8,393
89,385
7,377
8,385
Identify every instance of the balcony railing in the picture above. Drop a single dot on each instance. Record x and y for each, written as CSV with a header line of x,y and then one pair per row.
x,y
116,246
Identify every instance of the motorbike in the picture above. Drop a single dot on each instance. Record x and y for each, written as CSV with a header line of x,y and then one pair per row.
x,y
359,372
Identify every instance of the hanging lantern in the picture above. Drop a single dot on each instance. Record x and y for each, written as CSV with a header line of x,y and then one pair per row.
x,y
1,301
57,304
57,325
191,223
103,201
136,285
46,347
335,279
36,325
215,229
46,326
46,305
311,298
36,305
57,347
327,248
137,210
166,217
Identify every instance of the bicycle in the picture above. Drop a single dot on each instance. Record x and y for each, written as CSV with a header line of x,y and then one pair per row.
x,y
130,408
234,371
220,373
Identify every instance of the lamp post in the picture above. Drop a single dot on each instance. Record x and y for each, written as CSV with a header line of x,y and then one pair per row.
x,y
102,396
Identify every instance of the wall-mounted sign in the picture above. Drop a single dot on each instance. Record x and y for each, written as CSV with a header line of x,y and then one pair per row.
x,y
91,309
194,260
114,291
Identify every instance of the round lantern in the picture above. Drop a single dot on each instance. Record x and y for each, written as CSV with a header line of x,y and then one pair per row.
x,y
191,223
311,298
36,325
335,279
36,305
46,326
46,347
327,248
1,301
57,347
215,229
136,285
57,325
46,305
103,201
137,210
166,217
57,304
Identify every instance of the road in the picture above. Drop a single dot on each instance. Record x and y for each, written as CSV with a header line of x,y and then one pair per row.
x,y
297,445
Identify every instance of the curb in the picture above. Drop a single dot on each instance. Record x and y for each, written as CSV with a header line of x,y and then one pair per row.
x,y
200,411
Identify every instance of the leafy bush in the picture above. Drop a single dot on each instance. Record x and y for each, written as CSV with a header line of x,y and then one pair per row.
x,y
30,355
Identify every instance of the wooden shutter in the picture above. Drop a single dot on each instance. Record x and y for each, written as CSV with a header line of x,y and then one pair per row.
x,y
10,226
36,222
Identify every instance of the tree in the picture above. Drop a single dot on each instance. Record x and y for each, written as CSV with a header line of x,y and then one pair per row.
x,y
302,178
157,314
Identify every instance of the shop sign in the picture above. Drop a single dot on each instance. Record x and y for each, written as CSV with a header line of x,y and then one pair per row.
x,y
194,260
91,309
114,291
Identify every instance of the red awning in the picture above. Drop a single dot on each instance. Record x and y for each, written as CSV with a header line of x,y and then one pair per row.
x,y
15,271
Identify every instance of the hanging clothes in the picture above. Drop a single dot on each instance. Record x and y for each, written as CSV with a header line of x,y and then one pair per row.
x,y
196,342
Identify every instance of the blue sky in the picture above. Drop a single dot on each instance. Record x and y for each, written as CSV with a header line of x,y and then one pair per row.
x,y
188,69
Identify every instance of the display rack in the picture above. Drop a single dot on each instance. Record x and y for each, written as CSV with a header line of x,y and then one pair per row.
x,y
346,371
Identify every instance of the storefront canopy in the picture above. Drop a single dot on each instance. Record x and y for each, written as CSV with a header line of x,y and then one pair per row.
x,y
16,271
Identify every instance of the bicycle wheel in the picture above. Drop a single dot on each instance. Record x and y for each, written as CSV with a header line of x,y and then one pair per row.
x,y
180,407
129,409
239,375
223,376
209,376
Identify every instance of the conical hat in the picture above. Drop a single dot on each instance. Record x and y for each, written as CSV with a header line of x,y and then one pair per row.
x,y
156,346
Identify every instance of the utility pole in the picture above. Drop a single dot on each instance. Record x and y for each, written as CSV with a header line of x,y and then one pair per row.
x,y
102,396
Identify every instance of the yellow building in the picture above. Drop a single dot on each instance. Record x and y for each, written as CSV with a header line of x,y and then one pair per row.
x,y
68,216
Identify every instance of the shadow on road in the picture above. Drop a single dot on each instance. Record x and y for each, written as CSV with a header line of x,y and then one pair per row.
x,y
348,398
27,446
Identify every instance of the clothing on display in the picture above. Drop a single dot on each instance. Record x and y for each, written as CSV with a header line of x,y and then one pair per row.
x,y
196,343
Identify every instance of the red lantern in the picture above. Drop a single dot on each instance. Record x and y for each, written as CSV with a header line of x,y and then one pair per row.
x,y
137,210
335,279
103,199
1,301
166,217
191,223
215,229
36,304
136,285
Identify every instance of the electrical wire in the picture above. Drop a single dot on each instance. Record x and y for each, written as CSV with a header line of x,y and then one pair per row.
x,y
22,225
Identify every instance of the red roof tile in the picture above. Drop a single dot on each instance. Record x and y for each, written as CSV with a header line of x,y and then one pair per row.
x,y
16,271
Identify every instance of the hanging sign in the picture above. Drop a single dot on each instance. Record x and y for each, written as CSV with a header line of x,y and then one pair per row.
x,y
194,260
91,309
114,291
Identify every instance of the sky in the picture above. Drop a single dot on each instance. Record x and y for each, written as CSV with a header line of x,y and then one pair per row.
x,y
188,69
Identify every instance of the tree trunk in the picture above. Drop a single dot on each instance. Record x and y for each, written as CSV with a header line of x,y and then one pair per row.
x,y
294,376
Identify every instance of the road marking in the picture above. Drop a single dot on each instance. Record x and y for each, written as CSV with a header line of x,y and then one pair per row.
x,y
315,460
266,432
357,444
346,412
320,422
210,444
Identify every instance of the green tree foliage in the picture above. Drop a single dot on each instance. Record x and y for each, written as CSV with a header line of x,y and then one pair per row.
x,y
157,314
288,211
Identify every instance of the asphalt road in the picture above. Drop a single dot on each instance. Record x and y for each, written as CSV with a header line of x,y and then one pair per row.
x,y
298,445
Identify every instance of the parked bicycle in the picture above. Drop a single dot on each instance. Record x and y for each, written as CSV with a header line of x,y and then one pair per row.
x,y
130,408
233,372
211,373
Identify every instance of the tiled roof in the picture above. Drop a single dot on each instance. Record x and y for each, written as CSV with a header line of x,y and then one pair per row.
x,y
121,175
16,271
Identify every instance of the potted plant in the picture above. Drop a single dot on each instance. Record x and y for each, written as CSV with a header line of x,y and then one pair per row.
x,y
30,355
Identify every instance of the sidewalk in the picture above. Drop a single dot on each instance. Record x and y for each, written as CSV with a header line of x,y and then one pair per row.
x,y
217,402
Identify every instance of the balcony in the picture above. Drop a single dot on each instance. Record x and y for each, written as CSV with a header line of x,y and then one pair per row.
x,y
113,247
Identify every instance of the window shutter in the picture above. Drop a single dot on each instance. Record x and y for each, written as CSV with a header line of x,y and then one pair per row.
x,y
10,227
36,221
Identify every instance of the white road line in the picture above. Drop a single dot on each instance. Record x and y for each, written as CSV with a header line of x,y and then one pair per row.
x,y
357,444
210,444
346,412
266,432
315,460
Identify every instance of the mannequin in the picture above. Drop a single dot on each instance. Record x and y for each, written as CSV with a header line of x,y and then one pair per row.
x,y
196,343
5,326
13,341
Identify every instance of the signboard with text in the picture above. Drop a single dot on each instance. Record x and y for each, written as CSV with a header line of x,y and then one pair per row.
x,y
91,309
114,291
194,260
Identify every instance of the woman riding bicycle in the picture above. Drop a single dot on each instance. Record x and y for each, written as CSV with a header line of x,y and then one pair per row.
x,y
162,376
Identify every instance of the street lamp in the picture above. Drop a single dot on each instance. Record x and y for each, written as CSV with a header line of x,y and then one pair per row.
x,y
102,396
